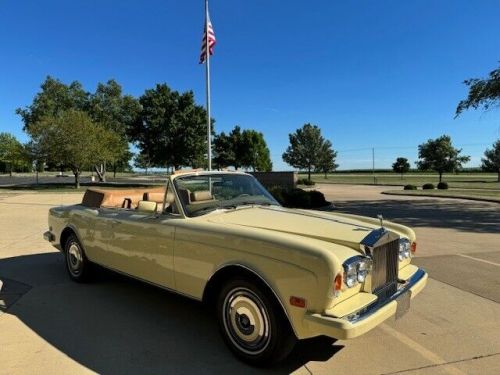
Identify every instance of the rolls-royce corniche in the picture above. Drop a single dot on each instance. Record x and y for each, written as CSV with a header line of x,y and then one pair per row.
x,y
273,275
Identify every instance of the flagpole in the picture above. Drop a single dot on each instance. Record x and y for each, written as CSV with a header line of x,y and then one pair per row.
x,y
207,74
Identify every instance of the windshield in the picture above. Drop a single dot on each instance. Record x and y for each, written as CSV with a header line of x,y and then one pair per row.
x,y
202,194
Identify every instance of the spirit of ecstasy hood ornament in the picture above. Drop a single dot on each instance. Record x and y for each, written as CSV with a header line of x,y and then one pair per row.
x,y
381,218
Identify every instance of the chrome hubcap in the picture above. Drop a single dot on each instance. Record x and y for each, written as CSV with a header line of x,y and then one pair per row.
x,y
74,259
246,321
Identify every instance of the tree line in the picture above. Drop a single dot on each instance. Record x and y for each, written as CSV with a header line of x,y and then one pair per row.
x,y
70,127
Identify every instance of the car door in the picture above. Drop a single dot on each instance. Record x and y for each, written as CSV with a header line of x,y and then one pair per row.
x,y
141,245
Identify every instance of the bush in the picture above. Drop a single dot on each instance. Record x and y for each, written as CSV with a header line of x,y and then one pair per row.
x,y
317,199
298,198
277,193
428,187
443,186
410,187
305,181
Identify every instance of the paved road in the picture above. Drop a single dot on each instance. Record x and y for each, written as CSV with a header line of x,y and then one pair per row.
x,y
116,325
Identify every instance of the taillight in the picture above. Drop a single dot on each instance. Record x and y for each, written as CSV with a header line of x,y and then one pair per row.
x,y
414,247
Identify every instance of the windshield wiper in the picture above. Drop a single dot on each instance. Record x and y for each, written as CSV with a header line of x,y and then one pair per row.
x,y
246,203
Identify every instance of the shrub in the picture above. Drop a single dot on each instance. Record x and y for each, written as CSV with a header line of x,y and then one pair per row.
x,y
443,186
277,193
317,199
428,187
298,198
410,187
305,181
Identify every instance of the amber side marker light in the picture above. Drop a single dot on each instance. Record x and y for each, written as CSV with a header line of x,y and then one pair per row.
x,y
337,285
297,301
414,247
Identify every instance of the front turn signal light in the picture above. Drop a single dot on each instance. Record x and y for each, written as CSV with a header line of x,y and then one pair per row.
x,y
337,285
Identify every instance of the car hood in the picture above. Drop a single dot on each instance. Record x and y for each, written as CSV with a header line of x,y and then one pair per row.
x,y
343,230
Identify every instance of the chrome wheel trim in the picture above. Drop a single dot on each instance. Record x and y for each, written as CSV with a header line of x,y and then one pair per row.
x,y
74,259
246,321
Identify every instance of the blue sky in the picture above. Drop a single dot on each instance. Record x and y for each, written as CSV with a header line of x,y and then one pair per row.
x,y
383,74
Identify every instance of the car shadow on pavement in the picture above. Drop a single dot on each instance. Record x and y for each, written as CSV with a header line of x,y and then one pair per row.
x,y
118,325
476,217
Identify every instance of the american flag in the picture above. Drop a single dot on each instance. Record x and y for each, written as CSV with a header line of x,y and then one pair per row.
x,y
210,40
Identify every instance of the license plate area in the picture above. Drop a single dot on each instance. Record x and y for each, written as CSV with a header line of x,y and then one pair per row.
x,y
403,302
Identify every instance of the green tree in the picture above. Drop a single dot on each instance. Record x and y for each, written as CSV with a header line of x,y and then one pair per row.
x,y
401,166
253,151
326,159
54,99
171,128
223,150
439,155
235,138
305,148
34,156
491,160
246,148
142,161
71,138
11,151
117,112
483,93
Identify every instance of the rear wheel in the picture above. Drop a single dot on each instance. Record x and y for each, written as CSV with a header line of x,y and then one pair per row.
x,y
253,324
77,263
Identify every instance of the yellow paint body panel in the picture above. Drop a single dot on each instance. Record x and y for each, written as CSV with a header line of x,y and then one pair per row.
x,y
295,252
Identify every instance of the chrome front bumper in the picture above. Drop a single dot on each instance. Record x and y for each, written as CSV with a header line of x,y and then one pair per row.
x,y
362,321
404,288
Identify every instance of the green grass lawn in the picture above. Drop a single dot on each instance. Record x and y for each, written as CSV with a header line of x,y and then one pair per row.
x,y
488,194
460,181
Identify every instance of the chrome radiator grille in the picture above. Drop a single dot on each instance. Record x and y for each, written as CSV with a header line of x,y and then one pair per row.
x,y
385,269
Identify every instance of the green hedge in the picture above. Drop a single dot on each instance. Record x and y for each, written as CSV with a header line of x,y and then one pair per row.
x,y
305,181
443,186
410,187
298,198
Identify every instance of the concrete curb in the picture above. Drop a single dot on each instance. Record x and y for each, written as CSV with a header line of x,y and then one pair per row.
x,y
444,196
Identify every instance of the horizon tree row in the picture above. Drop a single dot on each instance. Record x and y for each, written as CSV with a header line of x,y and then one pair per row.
x,y
167,127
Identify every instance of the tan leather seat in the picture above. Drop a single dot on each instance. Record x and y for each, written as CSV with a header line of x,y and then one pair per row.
x,y
147,206
114,198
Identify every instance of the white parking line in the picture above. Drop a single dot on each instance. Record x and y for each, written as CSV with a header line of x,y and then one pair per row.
x,y
480,260
424,352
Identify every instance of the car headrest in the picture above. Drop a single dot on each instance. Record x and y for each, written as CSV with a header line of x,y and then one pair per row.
x,y
153,197
147,206
202,195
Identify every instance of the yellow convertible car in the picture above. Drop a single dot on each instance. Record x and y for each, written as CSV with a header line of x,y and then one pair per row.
x,y
273,274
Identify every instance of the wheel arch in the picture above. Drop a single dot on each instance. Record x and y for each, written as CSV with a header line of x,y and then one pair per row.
x,y
224,273
67,231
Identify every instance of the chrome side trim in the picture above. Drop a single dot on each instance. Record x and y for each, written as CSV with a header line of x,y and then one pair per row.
x,y
371,309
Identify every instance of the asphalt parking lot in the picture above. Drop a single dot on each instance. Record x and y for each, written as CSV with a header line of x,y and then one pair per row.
x,y
115,325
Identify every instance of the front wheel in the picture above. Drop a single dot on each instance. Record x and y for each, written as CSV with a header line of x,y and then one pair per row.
x,y
253,324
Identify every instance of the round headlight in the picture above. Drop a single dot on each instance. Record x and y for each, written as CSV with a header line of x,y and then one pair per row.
x,y
404,249
351,275
363,269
